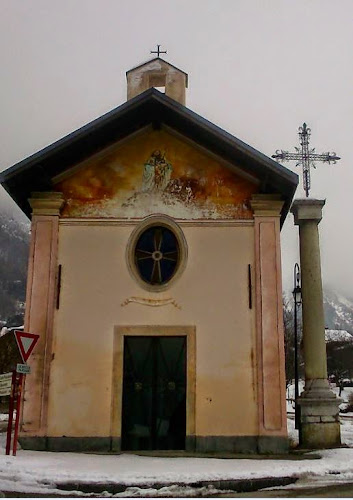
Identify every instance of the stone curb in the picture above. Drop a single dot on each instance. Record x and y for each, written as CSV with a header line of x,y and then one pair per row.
x,y
238,485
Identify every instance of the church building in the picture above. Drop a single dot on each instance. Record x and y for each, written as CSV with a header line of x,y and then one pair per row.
x,y
154,282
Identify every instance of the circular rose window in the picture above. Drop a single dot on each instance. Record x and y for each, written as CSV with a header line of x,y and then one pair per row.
x,y
156,252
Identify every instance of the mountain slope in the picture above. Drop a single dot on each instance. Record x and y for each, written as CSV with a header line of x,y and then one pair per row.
x,y
338,311
14,243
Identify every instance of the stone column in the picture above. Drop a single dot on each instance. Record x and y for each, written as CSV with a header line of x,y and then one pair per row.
x,y
40,304
320,427
271,382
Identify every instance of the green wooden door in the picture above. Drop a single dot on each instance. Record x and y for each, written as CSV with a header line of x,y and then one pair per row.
x,y
154,393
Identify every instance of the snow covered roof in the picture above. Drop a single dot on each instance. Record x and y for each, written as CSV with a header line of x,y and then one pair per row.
x,y
4,330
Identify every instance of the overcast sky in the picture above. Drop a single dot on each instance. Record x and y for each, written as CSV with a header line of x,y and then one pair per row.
x,y
257,68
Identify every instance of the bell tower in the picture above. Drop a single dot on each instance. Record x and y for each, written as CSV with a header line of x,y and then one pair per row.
x,y
157,73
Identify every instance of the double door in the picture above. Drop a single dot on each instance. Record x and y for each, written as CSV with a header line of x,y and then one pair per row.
x,y
154,393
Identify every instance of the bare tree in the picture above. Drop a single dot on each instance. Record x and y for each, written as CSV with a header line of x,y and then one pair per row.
x,y
289,340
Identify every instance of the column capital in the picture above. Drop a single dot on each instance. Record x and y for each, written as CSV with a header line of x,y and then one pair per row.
x,y
307,209
46,202
266,205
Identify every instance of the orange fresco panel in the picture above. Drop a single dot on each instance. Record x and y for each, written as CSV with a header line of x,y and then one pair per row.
x,y
156,172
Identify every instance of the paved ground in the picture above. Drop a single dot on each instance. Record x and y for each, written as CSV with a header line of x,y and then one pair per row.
x,y
332,491
96,489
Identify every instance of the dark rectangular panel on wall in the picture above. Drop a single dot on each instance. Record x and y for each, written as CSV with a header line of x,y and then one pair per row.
x,y
154,393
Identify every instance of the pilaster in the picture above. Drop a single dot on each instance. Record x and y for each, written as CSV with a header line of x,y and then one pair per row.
x,y
320,426
269,320
40,303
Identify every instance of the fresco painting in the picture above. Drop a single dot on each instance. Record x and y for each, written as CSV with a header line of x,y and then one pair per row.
x,y
156,172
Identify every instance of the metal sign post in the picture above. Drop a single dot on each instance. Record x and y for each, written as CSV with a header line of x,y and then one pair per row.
x,y
25,342
18,408
11,409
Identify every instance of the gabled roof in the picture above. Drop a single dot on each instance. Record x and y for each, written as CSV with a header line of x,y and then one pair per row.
x,y
149,108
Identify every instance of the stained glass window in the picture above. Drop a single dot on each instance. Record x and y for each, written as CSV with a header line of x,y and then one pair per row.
x,y
157,255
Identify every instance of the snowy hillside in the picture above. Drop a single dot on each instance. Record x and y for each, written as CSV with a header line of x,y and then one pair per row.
x,y
14,240
338,336
338,311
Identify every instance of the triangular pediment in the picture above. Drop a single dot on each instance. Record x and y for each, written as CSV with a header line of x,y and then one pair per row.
x,y
153,109
156,171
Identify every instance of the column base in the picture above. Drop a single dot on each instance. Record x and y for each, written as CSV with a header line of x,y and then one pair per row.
x,y
320,425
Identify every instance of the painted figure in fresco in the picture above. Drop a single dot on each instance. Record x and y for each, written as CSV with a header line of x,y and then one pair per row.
x,y
156,172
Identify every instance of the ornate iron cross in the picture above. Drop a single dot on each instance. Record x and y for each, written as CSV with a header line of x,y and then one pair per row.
x,y
305,156
158,51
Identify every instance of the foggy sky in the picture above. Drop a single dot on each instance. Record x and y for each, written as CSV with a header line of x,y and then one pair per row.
x,y
258,69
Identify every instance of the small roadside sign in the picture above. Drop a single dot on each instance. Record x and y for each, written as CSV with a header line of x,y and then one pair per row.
x,y
26,342
20,368
5,384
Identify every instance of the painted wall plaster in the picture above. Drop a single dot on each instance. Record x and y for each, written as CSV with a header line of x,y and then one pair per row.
x,y
213,295
156,172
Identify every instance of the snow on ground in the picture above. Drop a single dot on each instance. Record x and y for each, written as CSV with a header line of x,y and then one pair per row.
x,y
171,491
345,393
41,472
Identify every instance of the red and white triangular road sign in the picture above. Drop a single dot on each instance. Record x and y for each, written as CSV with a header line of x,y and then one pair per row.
x,y
26,342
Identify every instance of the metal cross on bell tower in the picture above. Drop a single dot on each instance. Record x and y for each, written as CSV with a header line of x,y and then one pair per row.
x,y
305,156
158,51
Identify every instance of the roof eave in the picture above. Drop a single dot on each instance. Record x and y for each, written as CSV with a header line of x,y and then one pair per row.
x,y
164,109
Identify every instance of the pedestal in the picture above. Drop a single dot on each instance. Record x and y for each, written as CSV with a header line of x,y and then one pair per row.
x,y
320,426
